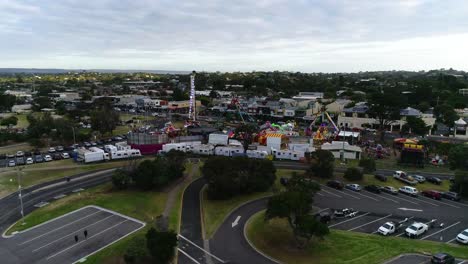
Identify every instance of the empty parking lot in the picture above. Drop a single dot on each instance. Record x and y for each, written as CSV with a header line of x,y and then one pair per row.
x,y
62,240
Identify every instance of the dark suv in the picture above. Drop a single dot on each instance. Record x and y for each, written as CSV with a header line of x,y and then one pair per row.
x,y
443,258
434,180
432,194
373,188
335,184
451,196
381,177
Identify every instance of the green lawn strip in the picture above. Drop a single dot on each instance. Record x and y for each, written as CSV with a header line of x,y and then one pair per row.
x,y
13,148
145,206
119,130
8,180
275,239
214,211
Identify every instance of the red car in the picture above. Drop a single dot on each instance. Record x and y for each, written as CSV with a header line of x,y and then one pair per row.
x,y
432,194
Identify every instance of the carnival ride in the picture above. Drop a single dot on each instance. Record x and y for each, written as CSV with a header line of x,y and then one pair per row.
x,y
326,130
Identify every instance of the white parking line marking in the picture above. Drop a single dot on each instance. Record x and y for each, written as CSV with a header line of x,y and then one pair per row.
x,y
332,193
354,218
320,194
369,223
451,240
345,193
53,230
440,230
421,200
383,197
71,233
437,201
72,246
188,256
405,200
188,240
368,197
322,210
404,232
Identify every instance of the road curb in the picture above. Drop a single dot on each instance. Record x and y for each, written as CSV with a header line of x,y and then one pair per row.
x,y
252,245
202,212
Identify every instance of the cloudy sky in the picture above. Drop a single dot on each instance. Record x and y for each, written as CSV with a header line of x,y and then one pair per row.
x,y
237,35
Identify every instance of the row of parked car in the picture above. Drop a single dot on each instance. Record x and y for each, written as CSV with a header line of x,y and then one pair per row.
x,y
417,178
37,158
408,190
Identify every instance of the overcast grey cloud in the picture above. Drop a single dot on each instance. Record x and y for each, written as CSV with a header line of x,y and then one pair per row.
x,y
302,35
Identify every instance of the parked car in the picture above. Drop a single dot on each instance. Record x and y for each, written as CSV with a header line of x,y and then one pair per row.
x,y
51,150
451,196
444,258
65,155
373,188
29,161
10,156
93,143
87,144
390,190
432,194
434,180
57,156
408,190
381,177
27,154
19,153
463,237
416,229
37,152
353,187
387,229
38,159
132,111
2,156
11,163
20,161
60,148
47,158
335,184
419,178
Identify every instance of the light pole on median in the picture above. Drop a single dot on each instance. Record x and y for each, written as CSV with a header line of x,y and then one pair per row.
x,y
19,174
74,137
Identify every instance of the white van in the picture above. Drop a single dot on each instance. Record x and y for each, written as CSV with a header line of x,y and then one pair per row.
x,y
409,190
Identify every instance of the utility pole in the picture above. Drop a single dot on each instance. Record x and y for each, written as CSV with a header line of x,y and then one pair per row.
x,y
74,137
19,174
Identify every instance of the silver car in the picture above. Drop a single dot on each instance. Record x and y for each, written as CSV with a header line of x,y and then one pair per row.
x,y
419,178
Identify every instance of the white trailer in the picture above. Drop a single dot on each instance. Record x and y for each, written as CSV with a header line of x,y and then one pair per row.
x,y
288,154
92,154
203,149
257,154
218,139
121,152
229,151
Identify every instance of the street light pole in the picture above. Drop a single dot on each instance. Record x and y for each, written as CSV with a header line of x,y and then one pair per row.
x,y
74,138
19,173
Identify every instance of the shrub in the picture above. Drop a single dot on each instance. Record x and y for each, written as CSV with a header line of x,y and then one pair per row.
x,y
367,164
353,174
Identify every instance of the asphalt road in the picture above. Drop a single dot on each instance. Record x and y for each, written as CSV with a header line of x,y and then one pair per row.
x,y
45,192
55,241
417,258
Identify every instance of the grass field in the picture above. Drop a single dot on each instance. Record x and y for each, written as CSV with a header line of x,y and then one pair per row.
x,y
275,239
13,148
42,172
145,206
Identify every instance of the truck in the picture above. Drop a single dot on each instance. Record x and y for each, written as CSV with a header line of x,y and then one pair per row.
x,y
391,227
416,229
218,139
92,154
404,177
121,152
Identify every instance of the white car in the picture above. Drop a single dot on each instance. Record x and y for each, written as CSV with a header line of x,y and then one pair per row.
x,y
419,178
51,150
132,111
65,155
29,161
47,158
353,187
463,237
387,229
409,190
19,153
11,163
416,229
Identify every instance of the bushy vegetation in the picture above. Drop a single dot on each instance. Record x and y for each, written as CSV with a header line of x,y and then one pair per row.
x,y
367,165
228,177
322,163
353,174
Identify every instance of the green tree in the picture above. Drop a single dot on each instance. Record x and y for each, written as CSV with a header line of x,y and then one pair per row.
x,y
245,134
161,245
228,177
416,126
41,102
353,174
294,204
104,120
322,163
385,106
458,157
9,121
7,101
179,95
460,184
121,179
446,115
136,251
367,164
